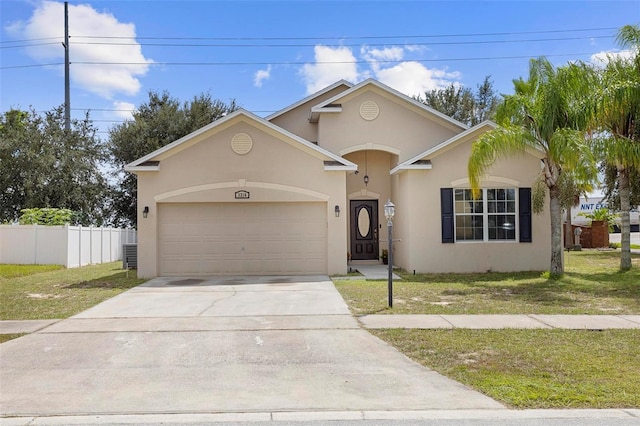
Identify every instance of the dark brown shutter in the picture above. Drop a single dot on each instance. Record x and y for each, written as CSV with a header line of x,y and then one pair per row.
x,y
524,203
446,210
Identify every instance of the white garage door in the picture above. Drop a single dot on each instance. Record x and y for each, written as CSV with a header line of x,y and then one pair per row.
x,y
247,238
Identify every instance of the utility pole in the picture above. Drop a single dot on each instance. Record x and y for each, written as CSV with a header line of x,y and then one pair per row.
x,y
67,95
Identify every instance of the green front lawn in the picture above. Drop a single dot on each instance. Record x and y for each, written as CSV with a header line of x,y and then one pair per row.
x,y
592,284
533,368
60,293
522,368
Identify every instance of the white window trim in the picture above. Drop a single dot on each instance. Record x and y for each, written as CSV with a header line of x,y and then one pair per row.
x,y
485,217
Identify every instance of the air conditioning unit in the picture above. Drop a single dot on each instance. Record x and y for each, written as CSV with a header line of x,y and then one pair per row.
x,y
130,256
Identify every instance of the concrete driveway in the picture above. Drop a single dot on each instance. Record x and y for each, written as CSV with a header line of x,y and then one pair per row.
x,y
241,344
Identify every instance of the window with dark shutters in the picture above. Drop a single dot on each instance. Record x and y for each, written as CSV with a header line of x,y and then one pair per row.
x,y
489,217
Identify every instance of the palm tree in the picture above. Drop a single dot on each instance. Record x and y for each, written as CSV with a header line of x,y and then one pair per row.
x,y
541,115
614,110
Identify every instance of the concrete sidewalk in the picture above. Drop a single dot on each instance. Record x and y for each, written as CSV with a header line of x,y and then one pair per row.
x,y
286,322
478,322
484,417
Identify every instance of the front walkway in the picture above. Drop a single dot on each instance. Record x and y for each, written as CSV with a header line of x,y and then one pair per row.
x,y
373,271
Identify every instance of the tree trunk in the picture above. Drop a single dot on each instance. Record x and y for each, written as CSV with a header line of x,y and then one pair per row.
x,y
556,267
625,225
568,232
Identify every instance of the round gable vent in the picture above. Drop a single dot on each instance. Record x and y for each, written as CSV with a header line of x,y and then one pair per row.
x,y
369,110
241,143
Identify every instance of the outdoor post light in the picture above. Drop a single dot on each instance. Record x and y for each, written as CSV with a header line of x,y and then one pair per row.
x,y
389,212
145,212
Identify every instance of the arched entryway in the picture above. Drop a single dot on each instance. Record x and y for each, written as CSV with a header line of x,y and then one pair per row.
x,y
367,191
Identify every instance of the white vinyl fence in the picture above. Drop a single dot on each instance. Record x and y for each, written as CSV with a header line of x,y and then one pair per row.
x,y
71,246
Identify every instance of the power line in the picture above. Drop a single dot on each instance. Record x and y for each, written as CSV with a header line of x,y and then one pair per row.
x,y
31,39
30,45
324,38
243,63
380,61
341,45
31,66
356,37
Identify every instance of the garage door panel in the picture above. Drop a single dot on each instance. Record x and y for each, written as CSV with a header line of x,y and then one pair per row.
x,y
251,238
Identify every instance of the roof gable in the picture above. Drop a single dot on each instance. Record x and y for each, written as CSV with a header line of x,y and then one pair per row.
x,y
332,105
151,162
423,160
311,97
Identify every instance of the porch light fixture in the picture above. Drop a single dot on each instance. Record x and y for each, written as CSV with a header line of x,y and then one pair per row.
x,y
337,210
366,169
389,212
145,212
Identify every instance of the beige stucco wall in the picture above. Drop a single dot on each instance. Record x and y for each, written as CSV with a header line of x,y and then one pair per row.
x,y
423,250
210,171
297,120
402,226
399,128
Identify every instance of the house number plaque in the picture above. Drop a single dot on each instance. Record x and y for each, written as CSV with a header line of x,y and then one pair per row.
x,y
242,195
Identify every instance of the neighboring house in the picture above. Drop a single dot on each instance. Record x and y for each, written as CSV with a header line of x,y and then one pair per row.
x,y
302,190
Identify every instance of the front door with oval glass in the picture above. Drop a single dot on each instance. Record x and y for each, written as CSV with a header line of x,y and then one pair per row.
x,y
364,229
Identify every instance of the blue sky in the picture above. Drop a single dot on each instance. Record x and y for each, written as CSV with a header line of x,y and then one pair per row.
x,y
268,54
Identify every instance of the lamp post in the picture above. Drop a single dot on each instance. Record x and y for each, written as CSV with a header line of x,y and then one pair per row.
x,y
389,212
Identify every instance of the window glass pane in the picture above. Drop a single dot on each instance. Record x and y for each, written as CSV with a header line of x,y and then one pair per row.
x,y
511,194
502,227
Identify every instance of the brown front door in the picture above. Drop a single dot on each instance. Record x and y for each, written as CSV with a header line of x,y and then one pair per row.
x,y
364,229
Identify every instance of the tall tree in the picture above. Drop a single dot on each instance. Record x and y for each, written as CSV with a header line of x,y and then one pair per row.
x,y
44,165
541,115
156,123
615,112
462,104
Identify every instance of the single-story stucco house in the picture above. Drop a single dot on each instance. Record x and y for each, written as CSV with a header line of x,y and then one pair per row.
x,y
302,191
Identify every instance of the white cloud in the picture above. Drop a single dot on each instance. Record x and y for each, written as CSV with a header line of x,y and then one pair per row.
x,y
261,75
413,79
385,64
602,58
320,74
387,54
105,80
123,110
